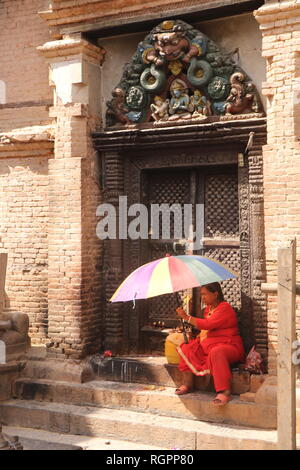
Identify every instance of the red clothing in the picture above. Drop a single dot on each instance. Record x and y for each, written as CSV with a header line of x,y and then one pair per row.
x,y
222,347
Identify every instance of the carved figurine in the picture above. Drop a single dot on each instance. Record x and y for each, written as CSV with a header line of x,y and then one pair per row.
x,y
160,109
238,100
171,42
175,67
117,108
179,107
200,104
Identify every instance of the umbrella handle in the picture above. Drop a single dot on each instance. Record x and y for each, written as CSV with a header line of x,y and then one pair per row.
x,y
178,299
184,332
179,302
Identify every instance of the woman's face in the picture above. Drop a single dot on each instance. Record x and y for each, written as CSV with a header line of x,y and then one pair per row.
x,y
207,297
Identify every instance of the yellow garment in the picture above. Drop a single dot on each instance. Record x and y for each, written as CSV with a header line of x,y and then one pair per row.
x,y
203,333
172,341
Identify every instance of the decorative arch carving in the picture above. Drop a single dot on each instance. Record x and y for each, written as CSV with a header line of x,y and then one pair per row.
x,y
177,75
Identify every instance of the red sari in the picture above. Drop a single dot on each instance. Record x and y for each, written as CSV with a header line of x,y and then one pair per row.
x,y
214,354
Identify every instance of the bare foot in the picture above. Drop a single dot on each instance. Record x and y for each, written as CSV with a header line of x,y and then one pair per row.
x,y
182,390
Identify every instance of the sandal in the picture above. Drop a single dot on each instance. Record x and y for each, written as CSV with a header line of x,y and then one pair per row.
x,y
223,399
182,390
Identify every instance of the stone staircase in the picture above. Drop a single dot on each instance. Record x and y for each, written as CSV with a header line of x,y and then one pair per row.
x,y
133,400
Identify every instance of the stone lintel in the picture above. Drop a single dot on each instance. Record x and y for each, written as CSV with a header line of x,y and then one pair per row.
x,y
235,132
134,11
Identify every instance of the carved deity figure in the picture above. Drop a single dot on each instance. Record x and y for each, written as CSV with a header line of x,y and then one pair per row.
x,y
175,67
238,100
172,43
180,102
200,104
160,109
117,108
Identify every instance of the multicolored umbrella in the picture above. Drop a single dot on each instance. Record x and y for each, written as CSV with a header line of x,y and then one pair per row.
x,y
171,274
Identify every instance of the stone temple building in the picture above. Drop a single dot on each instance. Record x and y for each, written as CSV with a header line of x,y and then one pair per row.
x,y
89,94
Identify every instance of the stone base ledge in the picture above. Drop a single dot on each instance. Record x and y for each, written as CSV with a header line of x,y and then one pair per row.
x,y
62,370
267,393
13,366
26,135
35,141
9,373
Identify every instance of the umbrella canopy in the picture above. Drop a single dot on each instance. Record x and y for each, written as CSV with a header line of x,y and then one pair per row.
x,y
171,274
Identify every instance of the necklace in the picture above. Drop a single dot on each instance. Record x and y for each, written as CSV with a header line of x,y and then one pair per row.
x,y
211,310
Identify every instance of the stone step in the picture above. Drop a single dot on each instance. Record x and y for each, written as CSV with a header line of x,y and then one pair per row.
x,y
139,427
37,439
148,398
68,370
156,370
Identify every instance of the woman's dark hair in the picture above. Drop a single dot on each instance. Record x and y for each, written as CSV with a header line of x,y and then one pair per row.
x,y
215,287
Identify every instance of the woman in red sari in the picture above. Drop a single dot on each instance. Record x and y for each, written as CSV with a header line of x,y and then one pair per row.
x,y
218,345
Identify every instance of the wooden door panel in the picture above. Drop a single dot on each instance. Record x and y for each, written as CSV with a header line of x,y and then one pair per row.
x,y
167,187
217,189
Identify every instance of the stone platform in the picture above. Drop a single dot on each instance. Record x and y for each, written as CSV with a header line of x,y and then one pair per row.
x,y
145,398
38,439
132,400
160,432
156,370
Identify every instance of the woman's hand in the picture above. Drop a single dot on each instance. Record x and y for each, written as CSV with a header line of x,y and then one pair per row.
x,y
181,313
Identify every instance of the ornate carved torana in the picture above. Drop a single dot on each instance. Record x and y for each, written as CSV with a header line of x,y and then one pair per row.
x,y
179,75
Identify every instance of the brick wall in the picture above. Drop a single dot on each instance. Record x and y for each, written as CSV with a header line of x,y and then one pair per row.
x,y
23,69
280,26
48,204
23,235
24,181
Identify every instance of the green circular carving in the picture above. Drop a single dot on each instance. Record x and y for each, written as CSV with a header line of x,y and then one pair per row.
x,y
199,72
218,88
152,79
136,98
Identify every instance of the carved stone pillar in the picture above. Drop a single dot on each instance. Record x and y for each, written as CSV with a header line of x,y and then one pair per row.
x,y
258,245
246,320
115,338
74,295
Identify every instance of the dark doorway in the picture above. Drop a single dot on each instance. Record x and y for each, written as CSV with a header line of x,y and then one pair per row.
x,y
215,188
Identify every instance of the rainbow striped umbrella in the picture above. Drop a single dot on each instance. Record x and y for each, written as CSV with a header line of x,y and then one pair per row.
x,y
171,274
